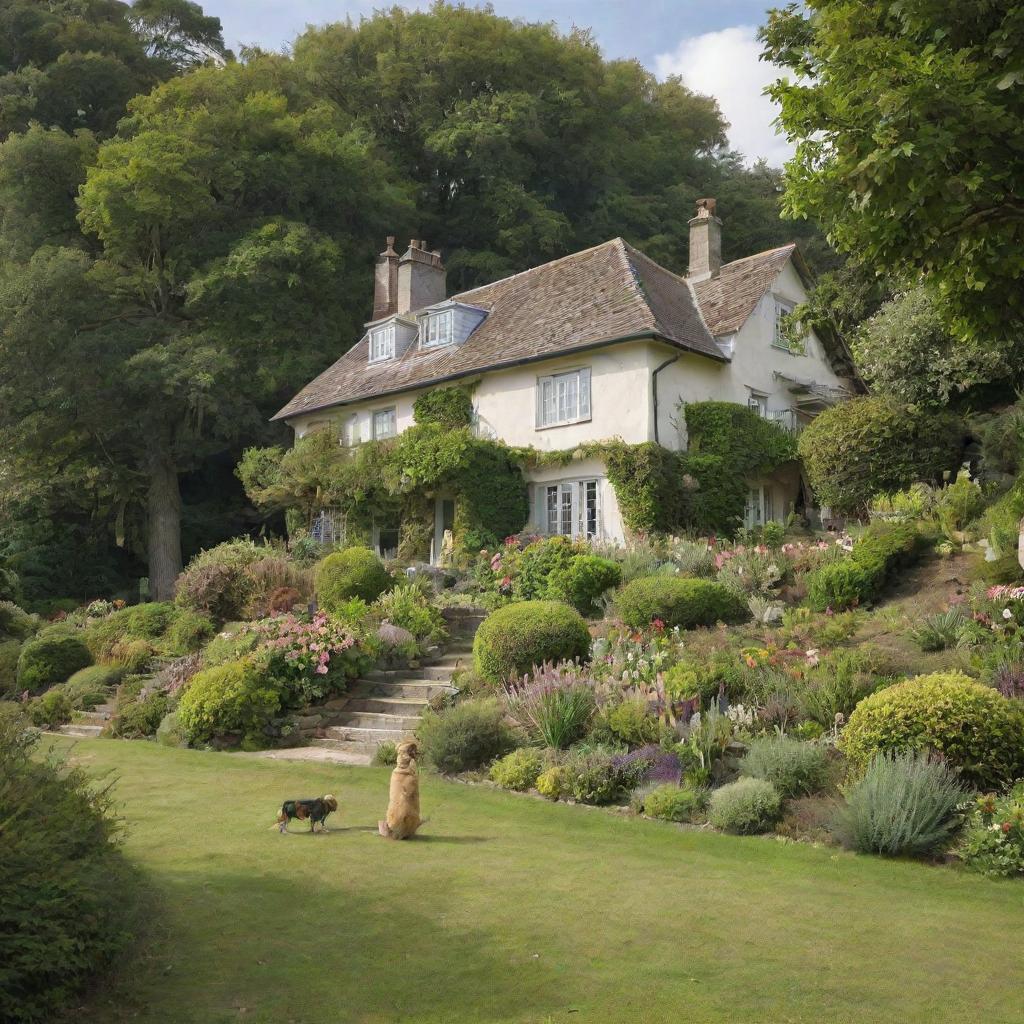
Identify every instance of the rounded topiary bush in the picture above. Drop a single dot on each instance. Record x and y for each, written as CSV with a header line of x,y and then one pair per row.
x,y
745,807
464,736
354,572
233,698
973,727
519,636
679,601
867,445
794,768
674,803
518,770
51,659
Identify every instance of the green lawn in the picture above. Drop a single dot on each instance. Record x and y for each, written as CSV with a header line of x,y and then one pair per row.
x,y
511,909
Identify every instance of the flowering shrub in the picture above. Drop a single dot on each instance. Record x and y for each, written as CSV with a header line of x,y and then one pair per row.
x,y
661,766
993,839
407,607
672,803
518,770
314,657
635,655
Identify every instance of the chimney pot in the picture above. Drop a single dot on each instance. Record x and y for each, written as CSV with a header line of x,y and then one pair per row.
x,y
421,278
385,281
705,242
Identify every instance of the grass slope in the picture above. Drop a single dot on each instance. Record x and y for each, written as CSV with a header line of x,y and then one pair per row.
x,y
511,909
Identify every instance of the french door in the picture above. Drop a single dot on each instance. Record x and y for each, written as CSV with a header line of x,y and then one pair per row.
x,y
572,508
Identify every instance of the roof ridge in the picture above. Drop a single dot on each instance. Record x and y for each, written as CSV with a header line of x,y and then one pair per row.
x,y
540,266
758,255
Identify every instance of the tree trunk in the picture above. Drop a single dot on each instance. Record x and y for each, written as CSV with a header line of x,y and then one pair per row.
x,y
164,525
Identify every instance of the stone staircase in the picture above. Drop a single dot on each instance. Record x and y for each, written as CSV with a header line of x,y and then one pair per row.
x,y
88,724
386,705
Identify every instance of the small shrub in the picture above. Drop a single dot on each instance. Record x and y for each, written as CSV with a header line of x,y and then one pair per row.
x,y
541,564
972,726
386,754
514,639
187,632
940,631
686,603
231,645
16,623
905,804
518,770
354,572
745,807
792,767
51,659
553,705
691,558
235,697
52,709
583,581
67,896
594,776
10,650
408,608
170,732
836,687
465,736
551,782
91,686
674,803
138,712
993,839
632,723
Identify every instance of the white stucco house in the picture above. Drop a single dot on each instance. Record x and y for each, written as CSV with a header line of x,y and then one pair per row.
x,y
601,344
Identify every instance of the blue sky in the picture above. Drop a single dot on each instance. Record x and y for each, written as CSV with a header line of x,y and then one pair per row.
x,y
709,42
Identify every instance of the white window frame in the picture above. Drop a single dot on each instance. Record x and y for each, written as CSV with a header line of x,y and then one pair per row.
x,y
438,329
782,308
758,402
390,411
382,343
564,398
760,507
571,508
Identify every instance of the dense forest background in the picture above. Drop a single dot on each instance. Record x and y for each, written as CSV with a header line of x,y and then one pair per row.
x,y
187,236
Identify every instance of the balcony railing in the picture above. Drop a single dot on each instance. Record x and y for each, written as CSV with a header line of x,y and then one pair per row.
x,y
785,418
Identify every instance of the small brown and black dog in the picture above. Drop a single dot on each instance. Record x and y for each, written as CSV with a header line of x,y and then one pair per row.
x,y
315,811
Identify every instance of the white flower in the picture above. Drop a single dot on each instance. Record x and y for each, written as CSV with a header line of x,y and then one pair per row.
x,y
1007,614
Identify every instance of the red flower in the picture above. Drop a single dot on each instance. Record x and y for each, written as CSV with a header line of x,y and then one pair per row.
x,y
658,626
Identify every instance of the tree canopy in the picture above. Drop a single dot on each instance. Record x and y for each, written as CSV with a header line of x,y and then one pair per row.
x,y
910,149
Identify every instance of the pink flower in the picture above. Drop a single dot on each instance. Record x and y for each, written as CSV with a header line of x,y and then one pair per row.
x,y
321,670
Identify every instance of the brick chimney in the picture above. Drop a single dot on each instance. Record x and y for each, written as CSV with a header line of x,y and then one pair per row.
x,y
705,242
421,277
385,282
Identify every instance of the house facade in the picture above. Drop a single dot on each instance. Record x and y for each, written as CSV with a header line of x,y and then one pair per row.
x,y
599,345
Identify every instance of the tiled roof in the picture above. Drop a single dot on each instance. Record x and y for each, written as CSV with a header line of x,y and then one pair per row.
x,y
727,300
581,301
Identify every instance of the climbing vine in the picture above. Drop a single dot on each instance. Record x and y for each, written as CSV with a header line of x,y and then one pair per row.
x,y
449,406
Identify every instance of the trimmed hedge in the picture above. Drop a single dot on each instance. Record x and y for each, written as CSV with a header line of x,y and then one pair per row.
x,y
514,639
881,551
972,726
51,659
679,601
354,572
868,445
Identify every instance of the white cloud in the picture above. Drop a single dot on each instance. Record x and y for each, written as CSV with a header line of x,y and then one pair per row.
x,y
727,65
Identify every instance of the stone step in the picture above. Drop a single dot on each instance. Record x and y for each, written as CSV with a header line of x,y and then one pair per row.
x,y
374,720
364,734
387,705
347,748
438,673
82,731
95,717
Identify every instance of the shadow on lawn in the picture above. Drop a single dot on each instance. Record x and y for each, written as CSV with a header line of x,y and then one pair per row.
x,y
337,944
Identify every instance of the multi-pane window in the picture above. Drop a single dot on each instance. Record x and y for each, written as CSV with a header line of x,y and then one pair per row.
x,y
437,329
382,343
384,423
760,507
328,526
782,310
563,398
571,509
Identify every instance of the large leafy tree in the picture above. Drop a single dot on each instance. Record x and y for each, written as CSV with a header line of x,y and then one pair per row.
x,y
75,64
909,123
225,227
524,144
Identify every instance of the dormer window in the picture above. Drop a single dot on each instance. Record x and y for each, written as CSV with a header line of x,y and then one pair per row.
x,y
437,329
382,343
